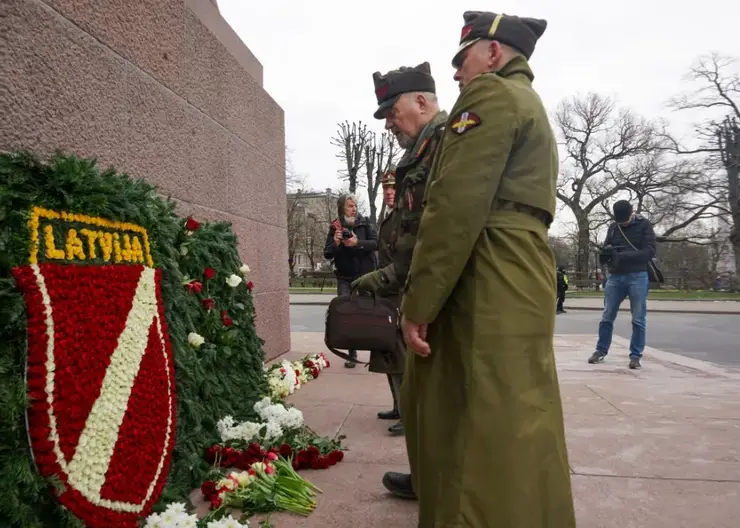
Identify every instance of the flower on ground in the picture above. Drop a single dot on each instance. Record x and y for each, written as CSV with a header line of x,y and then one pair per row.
x,y
244,269
195,339
250,285
234,280
209,273
208,304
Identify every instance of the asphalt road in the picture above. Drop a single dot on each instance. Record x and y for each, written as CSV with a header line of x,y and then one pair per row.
x,y
713,338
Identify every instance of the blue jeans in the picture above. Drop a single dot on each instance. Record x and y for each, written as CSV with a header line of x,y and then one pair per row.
x,y
634,286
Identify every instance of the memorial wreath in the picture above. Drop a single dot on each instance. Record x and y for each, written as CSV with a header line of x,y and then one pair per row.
x,y
126,337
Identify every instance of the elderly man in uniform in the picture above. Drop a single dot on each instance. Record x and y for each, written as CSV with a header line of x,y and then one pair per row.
x,y
481,400
407,101
388,362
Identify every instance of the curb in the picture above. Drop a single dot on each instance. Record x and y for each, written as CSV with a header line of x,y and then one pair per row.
x,y
591,309
659,310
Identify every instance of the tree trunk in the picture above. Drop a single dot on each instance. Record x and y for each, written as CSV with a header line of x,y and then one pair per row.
x,y
584,247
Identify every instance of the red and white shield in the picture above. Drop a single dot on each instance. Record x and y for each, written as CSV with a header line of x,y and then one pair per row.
x,y
102,386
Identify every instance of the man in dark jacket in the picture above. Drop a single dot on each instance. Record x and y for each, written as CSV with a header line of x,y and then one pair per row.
x,y
350,244
628,249
562,288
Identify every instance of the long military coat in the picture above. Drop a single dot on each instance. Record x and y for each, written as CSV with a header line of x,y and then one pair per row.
x,y
482,413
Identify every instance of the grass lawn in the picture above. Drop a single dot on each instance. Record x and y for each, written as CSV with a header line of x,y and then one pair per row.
x,y
299,290
673,295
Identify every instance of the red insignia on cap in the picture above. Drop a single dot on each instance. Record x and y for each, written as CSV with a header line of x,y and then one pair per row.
x,y
382,91
464,122
466,31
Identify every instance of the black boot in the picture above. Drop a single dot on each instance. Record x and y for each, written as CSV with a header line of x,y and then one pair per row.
x,y
399,484
389,415
635,363
351,363
396,429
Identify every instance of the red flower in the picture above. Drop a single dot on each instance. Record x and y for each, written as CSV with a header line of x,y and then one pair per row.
x,y
208,304
209,273
272,456
250,285
337,455
211,453
216,502
191,224
269,469
195,287
286,450
208,489
228,321
308,363
315,372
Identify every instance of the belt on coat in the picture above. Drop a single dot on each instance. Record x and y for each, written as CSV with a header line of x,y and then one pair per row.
x,y
539,214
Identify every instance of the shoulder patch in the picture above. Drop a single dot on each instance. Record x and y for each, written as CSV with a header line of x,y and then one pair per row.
x,y
464,122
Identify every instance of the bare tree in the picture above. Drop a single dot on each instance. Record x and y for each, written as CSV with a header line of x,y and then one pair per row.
x,y
381,154
295,186
351,139
601,145
717,97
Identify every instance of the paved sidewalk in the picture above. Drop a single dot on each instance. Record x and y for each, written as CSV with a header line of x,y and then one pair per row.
x,y
656,448
586,303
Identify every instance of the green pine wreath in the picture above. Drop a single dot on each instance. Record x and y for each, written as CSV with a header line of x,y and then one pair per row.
x,y
222,377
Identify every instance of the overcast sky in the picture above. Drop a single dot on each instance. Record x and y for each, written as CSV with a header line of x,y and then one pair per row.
x,y
319,56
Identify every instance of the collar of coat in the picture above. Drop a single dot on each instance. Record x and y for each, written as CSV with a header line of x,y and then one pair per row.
x,y
413,154
515,67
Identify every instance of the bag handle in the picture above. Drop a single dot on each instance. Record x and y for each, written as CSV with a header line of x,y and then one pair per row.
x,y
344,355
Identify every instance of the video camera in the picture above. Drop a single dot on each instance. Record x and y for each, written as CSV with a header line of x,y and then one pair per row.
x,y
608,253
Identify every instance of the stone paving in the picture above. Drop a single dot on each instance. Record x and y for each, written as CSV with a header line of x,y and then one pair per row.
x,y
655,448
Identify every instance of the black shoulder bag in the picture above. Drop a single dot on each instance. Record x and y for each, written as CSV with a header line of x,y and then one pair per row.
x,y
360,322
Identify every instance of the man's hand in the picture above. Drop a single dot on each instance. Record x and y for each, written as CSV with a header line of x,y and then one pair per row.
x,y
338,236
415,336
370,282
351,242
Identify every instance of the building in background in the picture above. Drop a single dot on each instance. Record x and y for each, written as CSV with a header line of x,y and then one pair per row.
x,y
309,215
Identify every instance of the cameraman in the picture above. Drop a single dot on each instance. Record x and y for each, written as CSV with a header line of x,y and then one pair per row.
x,y
350,245
627,250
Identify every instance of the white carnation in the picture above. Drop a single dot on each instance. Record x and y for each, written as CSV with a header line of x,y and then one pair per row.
x,y
234,280
196,340
244,269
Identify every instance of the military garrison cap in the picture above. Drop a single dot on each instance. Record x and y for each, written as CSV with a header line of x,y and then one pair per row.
x,y
389,87
388,179
519,33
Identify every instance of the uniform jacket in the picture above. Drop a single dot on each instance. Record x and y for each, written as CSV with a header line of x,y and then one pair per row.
x,y
483,411
411,178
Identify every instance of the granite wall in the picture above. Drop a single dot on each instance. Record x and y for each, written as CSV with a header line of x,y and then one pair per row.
x,y
164,90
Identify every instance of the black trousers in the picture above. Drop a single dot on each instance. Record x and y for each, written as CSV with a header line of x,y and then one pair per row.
x,y
395,380
561,300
